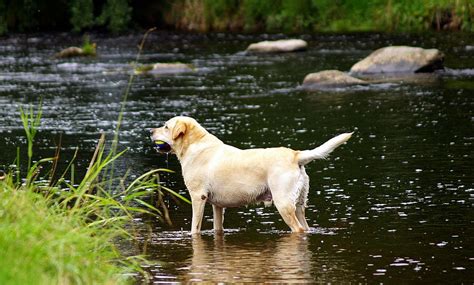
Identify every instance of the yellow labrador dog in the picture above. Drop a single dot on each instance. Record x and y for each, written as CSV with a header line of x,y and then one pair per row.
x,y
226,176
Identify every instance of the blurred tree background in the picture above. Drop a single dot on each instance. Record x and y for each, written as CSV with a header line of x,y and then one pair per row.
x,y
118,16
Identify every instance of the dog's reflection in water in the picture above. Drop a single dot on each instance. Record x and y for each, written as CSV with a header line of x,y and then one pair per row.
x,y
283,260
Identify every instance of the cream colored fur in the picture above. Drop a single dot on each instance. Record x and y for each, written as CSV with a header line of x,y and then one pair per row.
x,y
226,176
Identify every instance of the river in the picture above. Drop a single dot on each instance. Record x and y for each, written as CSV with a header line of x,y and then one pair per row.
x,y
393,205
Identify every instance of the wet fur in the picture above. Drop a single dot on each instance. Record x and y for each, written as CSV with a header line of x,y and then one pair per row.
x,y
226,176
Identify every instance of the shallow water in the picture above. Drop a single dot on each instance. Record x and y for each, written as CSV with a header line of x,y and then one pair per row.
x,y
393,205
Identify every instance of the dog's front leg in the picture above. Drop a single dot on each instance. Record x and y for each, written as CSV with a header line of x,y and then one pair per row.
x,y
218,219
198,203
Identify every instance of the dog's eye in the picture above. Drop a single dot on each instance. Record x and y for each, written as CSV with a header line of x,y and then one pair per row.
x,y
166,127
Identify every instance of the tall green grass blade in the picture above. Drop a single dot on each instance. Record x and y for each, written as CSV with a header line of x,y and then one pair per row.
x,y
147,174
125,97
176,194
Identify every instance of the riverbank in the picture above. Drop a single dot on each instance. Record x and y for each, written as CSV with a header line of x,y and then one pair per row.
x,y
43,244
322,16
118,16
58,229
55,231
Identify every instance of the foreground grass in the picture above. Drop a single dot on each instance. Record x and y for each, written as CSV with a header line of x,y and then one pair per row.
x,y
40,243
57,231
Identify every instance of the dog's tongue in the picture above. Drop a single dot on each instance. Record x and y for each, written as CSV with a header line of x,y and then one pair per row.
x,y
162,146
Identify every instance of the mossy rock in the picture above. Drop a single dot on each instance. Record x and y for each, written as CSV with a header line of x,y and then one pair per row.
x,y
86,50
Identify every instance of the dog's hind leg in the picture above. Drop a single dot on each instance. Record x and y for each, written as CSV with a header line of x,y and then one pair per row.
x,y
218,219
288,213
285,194
300,215
303,184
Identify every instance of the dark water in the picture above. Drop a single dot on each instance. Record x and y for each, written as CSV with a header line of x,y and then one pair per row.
x,y
394,205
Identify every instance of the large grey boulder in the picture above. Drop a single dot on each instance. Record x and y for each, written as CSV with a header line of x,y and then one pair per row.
x,y
330,78
400,59
278,46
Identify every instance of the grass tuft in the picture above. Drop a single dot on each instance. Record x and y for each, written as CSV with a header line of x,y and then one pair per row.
x,y
88,48
42,243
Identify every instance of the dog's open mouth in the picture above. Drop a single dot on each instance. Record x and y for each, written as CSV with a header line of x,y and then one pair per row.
x,y
162,146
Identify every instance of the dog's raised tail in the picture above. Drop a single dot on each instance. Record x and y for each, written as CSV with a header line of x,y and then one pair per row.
x,y
322,151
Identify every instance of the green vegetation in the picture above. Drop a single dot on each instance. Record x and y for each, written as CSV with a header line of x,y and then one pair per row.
x,y
42,244
401,15
56,230
82,14
88,48
247,15
239,15
116,15
323,15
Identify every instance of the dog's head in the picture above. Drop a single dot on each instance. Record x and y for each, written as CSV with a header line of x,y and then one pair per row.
x,y
178,133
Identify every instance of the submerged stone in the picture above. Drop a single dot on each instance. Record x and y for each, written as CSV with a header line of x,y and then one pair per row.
x,y
164,68
400,59
289,45
330,78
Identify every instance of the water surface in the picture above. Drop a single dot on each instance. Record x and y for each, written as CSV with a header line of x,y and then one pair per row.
x,y
393,205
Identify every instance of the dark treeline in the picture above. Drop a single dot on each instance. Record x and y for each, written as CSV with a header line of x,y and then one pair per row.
x,y
114,16
118,16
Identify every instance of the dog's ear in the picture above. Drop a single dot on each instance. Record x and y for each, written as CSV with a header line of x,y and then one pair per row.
x,y
179,129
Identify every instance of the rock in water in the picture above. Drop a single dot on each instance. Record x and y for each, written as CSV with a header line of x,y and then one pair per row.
x,y
86,50
330,78
171,68
70,52
278,46
400,59
165,68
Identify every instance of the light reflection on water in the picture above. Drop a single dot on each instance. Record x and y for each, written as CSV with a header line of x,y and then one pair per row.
x,y
264,258
393,205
